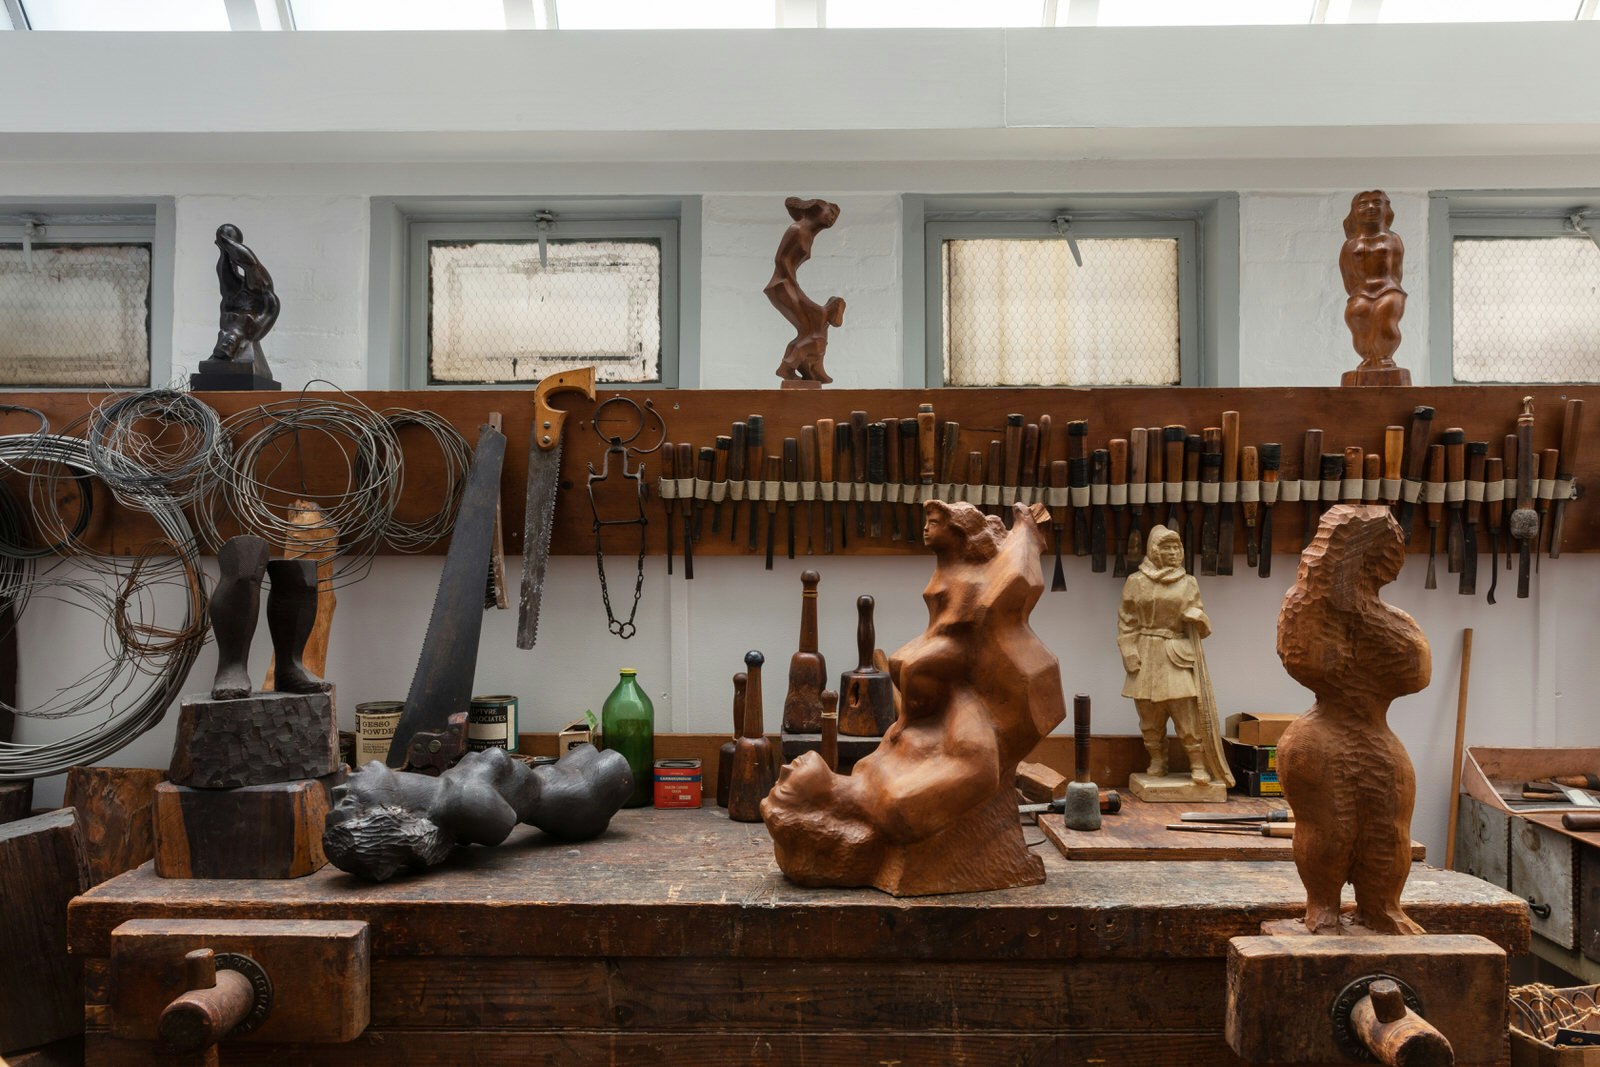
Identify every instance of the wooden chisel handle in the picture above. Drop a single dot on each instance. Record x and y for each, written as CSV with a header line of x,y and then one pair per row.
x,y
975,478
1030,454
949,452
858,444
1394,458
1355,467
1493,480
1571,440
1078,439
927,445
1311,466
808,454
1435,498
825,433
1012,469
1230,446
1477,464
995,476
891,450
1455,454
1372,476
1138,455
1549,461
1043,475
1250,474
1526,460
1417,443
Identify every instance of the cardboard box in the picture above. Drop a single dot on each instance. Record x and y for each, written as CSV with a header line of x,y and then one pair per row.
x,y
1258,727
576,732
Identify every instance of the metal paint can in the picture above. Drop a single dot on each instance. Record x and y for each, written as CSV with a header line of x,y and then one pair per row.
x,y
677,783
492,723
376,722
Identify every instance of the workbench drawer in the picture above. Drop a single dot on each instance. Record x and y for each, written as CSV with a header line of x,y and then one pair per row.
x,y
1589,902
1544,871
1483,842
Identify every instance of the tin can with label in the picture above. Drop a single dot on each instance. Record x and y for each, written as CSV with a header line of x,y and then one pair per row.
x,y
376,722
492,723
677,783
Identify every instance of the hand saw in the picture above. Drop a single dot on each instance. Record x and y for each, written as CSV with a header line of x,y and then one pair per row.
x,y
442,684
544,478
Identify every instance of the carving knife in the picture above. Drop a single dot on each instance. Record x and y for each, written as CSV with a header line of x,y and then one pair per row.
x,y
1172,440
1099,481
876,474
755,441
1310,485
1011,467
910,476
1524,520
544,479
927,460
1117,500
1078,478
1250,496
1454,440
1230,490
1494,492
1137,458
737,453
669,496
858,455
771,475
843,468
1193,446
1210,493
994,476
1416,457
808,480
791,485
891,478
825,440
1549,463
1477,463
1433,498
719,480
686,474
442,684
1058,508
1510,487
1271,458
1571,439
703,471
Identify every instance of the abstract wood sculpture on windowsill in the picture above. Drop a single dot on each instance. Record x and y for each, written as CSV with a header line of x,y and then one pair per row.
x,y
1371,263
802,359
933,810
1344,772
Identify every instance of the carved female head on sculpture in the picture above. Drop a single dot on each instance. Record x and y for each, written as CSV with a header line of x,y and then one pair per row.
x,y
1165,548
1357,550
821,212
1370,213
959,529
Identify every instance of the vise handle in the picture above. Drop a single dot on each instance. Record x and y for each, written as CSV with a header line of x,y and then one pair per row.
x,y
1393,1033
216,1002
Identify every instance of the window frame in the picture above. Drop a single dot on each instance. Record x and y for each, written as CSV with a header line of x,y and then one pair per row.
x,y
1480,214
1206,226
150,224
403,227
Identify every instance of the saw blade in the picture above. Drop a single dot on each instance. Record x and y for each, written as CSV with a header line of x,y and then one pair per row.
x,y
544,479
442,683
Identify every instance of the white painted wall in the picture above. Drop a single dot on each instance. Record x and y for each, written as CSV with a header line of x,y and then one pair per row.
x,y
296,163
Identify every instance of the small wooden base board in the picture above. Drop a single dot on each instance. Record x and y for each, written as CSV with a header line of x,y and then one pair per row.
x,y
1138,832
1175,789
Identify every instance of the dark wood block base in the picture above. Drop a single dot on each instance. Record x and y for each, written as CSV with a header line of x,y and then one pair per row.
x,y
256,740
16,800
42,867
230,376
114,806
255,831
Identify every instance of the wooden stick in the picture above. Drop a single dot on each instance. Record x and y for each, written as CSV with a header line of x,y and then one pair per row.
x,y
1461,737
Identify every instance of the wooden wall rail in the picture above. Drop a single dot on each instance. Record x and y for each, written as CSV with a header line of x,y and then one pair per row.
x,y
1348,417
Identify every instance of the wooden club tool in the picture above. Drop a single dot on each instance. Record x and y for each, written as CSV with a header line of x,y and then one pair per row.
x,y
868,694
808,671
752,776
1524,520
1058,508
1571,439
1434,501
1271,457
825,483
1230,490
1250,495
1477,464
1082,809
1494,493
725,753
830,729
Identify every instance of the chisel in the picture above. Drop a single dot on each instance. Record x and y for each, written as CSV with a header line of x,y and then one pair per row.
x,y
1266,829
1250,497
1454,440
1372,479
737,451
910,471
1571,439
1193,446
669,494
704,469
719,480
1416,456
928,462
1030,457
843,464
949,461
686,471
1155,488
771,476
1549,463
1172,442
1524,520
1354,466
824,479
994,479
755,442
1271,457
1477,464
1042,476
808,480
1310,485
891,478
1058,509
1230,490
1011,466
1210,493
858,453
1494,493
1078,479
1510,484
1117,501
1137,457
877,474
1278,815
791,484
1433,499
1394,459
1099,483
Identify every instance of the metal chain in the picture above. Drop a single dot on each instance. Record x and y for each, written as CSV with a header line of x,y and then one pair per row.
x,y
626,629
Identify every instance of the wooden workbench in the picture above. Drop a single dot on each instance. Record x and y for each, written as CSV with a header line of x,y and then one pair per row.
x,y
674,939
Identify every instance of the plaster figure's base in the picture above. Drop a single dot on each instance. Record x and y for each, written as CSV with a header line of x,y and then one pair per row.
x,y
800,383
230,375
1376,376
1175,789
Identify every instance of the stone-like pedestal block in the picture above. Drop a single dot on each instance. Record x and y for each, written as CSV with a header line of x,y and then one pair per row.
x,y
1175,789
256,831
256,740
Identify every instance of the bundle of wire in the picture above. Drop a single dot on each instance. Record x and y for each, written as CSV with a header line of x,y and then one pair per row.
x,y
157,440
456,453
146,664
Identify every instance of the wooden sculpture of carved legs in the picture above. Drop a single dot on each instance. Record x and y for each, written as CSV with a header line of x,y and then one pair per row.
x,y
932,809
235,609
1344,771
291,614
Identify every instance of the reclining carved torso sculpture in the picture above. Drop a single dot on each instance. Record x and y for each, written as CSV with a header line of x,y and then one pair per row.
x,y
932,810
1344,772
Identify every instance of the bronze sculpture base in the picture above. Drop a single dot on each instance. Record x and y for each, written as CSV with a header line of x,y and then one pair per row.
x,y
230,375
1376,376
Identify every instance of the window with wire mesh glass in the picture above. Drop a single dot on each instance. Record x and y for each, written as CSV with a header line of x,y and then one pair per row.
x,y
1525,307
1046,303
74,315
503,311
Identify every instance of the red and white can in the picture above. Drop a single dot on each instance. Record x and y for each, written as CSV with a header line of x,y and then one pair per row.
x,y
678,783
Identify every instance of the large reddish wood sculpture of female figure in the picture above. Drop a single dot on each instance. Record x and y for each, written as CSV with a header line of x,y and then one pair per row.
x,y
933,810
1371,263
802,360
1344,772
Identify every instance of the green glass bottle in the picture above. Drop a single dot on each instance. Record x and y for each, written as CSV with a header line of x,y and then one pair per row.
x,y
628,726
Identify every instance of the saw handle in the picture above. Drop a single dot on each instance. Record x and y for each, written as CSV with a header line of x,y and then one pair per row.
x,y
548,421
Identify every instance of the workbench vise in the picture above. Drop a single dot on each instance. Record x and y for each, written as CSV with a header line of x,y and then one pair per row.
x,y
1425,1001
